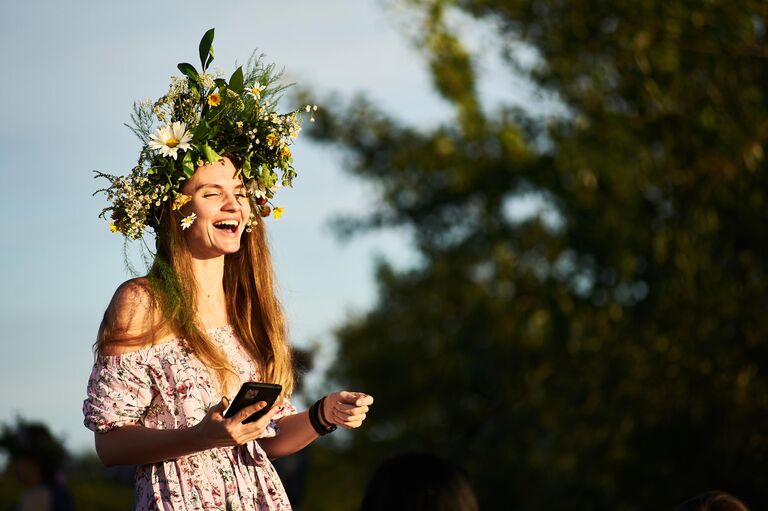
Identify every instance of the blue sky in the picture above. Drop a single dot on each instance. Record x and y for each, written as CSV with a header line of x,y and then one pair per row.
x,y
71,71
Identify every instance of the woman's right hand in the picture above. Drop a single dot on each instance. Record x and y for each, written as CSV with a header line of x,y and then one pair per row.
x,y
217,431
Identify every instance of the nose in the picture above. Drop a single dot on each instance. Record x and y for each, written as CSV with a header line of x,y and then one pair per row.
x,y
231,203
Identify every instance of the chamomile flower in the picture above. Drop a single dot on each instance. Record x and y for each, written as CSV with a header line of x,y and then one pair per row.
x,y
170,138
255,91
187,221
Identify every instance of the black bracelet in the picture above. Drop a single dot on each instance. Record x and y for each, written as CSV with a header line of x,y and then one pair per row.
x,y
321,408
314,419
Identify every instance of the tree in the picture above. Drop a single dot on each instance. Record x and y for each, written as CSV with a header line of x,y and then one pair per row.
x,y
611,355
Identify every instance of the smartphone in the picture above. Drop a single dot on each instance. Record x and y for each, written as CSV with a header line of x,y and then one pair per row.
x,y
253,392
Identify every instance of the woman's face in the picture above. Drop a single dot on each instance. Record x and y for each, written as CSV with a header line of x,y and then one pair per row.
x,y
221,204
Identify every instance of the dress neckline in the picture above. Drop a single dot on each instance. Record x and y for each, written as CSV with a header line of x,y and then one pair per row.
x,y
171,340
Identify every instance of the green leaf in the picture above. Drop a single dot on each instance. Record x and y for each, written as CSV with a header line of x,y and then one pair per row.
x,y
221,83
268,179
201,131
186,164
206,50
236,81
189,70
246,168
210,155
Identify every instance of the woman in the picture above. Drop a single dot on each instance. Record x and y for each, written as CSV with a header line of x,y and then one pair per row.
x,y
175,344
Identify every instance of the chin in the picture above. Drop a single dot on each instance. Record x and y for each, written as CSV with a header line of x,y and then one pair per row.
x,y
228,248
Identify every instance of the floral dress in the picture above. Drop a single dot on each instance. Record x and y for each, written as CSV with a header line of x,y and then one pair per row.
x,y
165,386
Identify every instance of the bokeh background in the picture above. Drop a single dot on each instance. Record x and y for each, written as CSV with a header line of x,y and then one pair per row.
x,y
533,230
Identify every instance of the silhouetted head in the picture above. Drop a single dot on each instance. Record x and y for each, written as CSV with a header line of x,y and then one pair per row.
x,y
713,501
419,481
36,456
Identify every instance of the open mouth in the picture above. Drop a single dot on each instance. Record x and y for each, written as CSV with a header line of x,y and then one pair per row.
x,y
227,225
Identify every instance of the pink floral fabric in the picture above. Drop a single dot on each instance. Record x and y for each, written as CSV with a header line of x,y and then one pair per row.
x,y
166,386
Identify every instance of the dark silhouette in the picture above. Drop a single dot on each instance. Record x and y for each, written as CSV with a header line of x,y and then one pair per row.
x,y
36,460
713,501
419,482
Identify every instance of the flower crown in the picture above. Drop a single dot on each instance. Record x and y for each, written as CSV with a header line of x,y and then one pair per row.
x,y
200,118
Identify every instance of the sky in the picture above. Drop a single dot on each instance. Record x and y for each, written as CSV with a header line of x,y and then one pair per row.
x,y
72,70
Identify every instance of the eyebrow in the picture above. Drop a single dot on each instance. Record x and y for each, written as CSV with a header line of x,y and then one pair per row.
x,y
213,185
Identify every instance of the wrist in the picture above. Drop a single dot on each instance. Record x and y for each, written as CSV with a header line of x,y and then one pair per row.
x,y
322,415
316,419
196,438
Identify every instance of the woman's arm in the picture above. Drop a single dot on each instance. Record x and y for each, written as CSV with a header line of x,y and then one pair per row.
x,y
346,409
134,444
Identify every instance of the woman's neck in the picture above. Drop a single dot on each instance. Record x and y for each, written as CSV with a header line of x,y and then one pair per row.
x,y
211,303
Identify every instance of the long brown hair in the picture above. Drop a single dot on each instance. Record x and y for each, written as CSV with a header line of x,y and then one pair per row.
x,y
254,311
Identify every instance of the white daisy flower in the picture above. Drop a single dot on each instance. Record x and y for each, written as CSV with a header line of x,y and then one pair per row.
x,y
187,221
170,138
255,91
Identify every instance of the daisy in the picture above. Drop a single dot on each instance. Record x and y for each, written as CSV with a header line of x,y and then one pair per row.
x,y
187,221
255,91
170,138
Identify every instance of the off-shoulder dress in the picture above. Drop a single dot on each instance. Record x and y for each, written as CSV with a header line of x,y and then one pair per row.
x,y
165,386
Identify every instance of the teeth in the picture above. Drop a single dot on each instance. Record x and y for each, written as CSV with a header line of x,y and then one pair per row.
x,y
234,223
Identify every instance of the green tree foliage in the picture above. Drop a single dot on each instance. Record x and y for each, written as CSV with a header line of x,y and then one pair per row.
x,y
610,354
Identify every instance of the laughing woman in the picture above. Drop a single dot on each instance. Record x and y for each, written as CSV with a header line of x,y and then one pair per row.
x,y
175,345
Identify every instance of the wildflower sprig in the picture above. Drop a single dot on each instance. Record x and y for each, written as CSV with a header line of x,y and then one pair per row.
x,y
202,117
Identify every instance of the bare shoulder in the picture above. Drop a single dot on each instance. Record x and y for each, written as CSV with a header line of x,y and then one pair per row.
x,y
133,297
130,318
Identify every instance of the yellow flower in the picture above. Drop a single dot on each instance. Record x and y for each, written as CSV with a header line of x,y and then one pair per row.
x,y
278,212
113,227
180,200
285,152
214,99
272,139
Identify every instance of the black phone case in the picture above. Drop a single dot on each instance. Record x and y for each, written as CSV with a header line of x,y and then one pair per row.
x,y
253,392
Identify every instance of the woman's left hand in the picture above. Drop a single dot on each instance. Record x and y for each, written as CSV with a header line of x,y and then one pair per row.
x,y
346,409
